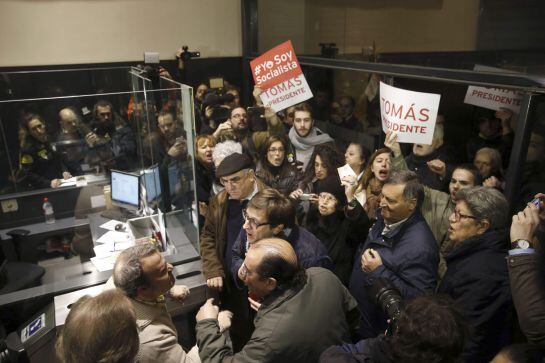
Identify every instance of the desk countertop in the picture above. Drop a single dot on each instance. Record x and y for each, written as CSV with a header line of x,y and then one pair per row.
x,y
42,227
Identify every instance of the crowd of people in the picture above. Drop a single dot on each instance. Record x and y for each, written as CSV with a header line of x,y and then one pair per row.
x,y
296,237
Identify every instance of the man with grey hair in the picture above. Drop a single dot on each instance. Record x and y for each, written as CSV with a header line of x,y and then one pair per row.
x,y
142,274
477,277
69,141
400,247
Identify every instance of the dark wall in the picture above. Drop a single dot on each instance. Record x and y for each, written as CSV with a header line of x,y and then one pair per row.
x,y
507,24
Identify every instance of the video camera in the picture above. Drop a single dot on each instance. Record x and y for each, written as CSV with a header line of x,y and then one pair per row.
x,y
388,298
186,55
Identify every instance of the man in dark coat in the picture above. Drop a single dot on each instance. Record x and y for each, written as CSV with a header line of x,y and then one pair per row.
x,y
400,247
299,312
270,214
477,277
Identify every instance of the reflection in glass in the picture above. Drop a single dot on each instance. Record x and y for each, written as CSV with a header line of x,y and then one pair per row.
x,y
61,135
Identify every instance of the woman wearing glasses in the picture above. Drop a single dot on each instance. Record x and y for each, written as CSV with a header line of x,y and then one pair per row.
x,y
476,276
40,166
274,169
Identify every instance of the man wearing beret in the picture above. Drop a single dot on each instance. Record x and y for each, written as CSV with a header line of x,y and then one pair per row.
x,y
223,223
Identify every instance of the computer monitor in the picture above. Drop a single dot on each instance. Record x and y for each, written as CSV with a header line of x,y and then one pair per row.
x,y
125,189
151,183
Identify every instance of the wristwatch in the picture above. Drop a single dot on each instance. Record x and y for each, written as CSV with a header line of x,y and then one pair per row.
x,y
353,203
521,243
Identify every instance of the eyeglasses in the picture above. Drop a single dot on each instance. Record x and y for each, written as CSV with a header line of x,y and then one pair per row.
x,y
458,216
253,224
274,150
233,181
327,198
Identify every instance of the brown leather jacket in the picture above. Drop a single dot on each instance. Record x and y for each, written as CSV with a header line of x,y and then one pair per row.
x,y
214,235
528,295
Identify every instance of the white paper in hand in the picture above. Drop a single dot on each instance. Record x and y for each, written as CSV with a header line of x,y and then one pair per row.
x,y
345,170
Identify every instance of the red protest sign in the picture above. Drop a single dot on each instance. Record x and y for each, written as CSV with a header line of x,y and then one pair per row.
x,y
275,66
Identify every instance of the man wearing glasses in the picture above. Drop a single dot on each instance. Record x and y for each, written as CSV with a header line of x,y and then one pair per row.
x,y
400,247
238,125
270,214
223,223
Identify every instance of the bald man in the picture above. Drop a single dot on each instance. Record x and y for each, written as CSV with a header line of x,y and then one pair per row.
x,y
299,313
70,143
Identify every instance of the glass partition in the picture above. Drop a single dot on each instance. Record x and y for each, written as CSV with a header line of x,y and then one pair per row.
x,y
99,144
346,104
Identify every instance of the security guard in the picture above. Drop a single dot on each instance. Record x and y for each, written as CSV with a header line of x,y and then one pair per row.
x,y
40,166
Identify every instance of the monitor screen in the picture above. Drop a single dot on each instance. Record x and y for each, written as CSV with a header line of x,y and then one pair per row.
x,y
151,183
125,189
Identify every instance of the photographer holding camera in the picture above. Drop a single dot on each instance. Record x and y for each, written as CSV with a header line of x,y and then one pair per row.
x,y
526,269
428,330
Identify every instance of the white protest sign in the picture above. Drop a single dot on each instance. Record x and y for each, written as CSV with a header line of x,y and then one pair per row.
x,y
493,98
411,115
278,73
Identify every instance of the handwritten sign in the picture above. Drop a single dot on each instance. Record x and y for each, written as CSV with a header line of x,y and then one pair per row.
x,y
493,98
278,73
411,115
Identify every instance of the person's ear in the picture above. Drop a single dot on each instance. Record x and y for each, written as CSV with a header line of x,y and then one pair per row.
x,y
271,284
412,204
277,229
484,225
141,290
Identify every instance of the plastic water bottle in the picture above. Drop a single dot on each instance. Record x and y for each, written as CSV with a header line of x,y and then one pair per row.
x,y
48,211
